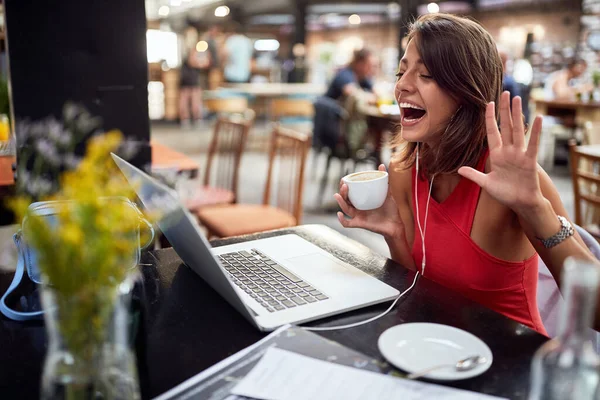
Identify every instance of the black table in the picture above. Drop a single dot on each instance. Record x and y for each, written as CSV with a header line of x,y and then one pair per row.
x,y
187,326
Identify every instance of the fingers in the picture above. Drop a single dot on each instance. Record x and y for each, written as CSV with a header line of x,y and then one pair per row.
x,y
473,175
346,208
518,131
534,141
493,135
344,193
382,168
342,219
346,223
506,123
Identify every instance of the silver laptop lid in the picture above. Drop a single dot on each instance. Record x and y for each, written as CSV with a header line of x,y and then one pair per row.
x,y
183,232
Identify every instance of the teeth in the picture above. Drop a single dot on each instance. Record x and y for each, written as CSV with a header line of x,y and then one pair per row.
x,y
409,105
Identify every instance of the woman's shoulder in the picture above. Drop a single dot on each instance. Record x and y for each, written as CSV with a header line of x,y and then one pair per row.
x,y
400,170
400,179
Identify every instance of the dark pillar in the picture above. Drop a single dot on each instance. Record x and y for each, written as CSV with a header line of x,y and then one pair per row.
x,y
408,13
300,23
298,74
72,50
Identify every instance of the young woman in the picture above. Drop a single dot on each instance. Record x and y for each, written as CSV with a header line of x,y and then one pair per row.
x,y
468,205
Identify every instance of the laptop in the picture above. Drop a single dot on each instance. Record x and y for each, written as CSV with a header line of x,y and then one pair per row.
x,y
271,282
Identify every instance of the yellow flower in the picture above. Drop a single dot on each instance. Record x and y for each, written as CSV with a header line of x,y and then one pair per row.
x,y
72,234
91,243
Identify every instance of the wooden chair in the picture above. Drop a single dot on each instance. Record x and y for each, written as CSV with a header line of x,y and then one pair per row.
x,y
585,172
294,113
221,176
591,132
226,105
285,183
282,108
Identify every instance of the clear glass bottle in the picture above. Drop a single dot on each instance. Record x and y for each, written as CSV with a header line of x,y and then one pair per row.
x,y
95,361
568,367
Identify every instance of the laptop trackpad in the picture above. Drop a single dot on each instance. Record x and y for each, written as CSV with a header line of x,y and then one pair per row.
x,y
322,266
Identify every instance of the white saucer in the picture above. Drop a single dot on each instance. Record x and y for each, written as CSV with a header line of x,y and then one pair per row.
x,y
414,347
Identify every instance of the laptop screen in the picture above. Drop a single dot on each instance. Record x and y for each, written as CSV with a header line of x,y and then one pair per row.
x,y
182,231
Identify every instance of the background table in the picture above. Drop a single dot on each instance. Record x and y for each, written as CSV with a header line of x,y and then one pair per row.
x,y
582,111
164,157
188,327
276,89
6,172
7,188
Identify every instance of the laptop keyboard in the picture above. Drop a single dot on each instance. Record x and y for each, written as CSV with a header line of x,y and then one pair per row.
x,y
272,286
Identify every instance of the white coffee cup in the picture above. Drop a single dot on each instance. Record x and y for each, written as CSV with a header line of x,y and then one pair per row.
x,y
367,190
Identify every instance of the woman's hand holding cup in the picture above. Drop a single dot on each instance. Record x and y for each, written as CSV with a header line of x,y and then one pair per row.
x,y
366,199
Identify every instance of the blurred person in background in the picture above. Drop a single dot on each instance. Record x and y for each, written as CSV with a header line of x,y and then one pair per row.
x,y
237,56
558,84
508,82
354,78
211,38
190,92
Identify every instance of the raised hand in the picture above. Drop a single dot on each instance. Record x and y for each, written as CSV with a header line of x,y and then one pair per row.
x,y
513,178
385,220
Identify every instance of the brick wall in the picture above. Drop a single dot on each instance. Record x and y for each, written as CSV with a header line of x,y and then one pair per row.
x,y
557,31
510,29
375,37
589,22
381,39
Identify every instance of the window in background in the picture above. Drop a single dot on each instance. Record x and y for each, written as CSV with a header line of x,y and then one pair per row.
x,y
156,100
162,46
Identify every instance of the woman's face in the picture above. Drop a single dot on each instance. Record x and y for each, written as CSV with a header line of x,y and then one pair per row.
x,y
425,108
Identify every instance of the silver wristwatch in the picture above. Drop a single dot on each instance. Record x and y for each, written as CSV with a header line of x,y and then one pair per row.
x,y
565,232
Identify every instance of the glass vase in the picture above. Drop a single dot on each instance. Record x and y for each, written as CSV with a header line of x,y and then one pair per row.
x,y
89,354
567,367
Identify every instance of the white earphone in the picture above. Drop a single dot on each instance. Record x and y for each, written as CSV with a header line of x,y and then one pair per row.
x,y
423,230
422,272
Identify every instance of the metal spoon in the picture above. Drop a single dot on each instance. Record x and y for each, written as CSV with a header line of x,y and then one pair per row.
x,y
463,365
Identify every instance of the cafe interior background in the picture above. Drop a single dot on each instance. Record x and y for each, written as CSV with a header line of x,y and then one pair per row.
x,y
126,61
298,46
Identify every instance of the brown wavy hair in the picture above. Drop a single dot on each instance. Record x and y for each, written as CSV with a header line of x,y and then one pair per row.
x,y
462,58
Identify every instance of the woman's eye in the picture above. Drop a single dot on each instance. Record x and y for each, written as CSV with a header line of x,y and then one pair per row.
x,y
399,74
426,76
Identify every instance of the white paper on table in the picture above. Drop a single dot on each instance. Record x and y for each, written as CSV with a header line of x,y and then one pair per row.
x,y
284,375
202,376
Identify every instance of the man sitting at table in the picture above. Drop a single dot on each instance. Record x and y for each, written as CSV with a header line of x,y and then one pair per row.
x,y
356,76
557,85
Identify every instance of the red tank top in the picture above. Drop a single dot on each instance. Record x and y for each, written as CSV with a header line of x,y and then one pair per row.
x,y
455,261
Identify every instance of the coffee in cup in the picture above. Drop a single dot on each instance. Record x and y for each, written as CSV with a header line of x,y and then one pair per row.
x,y
367,190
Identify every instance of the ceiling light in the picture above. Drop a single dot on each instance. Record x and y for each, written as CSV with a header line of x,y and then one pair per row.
x,y
299,50
266,45
433,8
175,3
164,11
201,46
354,19
221,11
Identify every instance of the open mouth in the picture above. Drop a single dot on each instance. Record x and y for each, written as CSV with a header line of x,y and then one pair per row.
x,y
411,113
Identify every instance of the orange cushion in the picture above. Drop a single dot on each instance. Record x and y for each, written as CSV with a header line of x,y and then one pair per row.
x,y
209,196
243,219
